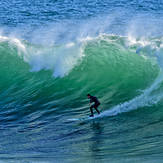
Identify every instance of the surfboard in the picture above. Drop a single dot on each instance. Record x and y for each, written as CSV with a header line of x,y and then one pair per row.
x,y
83,118
80,119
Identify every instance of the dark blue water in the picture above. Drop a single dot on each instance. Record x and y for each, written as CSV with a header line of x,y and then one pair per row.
x,y
53,53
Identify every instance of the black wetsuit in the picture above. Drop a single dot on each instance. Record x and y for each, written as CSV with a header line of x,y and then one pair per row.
x,y
95,105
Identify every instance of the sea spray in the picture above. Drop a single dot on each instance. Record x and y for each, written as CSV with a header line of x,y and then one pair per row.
x,y
146,99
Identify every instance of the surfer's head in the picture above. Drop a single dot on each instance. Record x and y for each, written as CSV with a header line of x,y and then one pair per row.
x,y
88,96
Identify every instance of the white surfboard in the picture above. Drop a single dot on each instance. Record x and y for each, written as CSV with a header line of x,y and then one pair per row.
x,y
84,118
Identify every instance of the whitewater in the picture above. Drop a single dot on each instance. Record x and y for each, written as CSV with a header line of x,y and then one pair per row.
x,y
53,53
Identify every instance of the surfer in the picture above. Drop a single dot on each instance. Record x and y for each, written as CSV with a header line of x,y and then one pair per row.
x,y
95,105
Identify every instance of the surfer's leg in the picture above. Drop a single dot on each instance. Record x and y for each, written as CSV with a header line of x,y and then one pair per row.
x,y
91,110
96,108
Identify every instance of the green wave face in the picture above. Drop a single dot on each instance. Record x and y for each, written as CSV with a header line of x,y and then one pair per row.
x,y
103,66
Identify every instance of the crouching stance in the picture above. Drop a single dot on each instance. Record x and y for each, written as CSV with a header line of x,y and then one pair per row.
x,y
95,105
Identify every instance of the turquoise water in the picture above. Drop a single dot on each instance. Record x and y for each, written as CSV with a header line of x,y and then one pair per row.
x,y
53,53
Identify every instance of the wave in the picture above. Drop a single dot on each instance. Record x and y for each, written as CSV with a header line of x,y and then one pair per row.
x,y
124,72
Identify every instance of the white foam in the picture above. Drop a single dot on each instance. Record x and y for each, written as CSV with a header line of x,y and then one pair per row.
x,y
14,42
3,38
60,59
148,98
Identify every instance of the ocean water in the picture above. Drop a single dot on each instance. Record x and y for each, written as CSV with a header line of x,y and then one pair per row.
x,y
53,53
